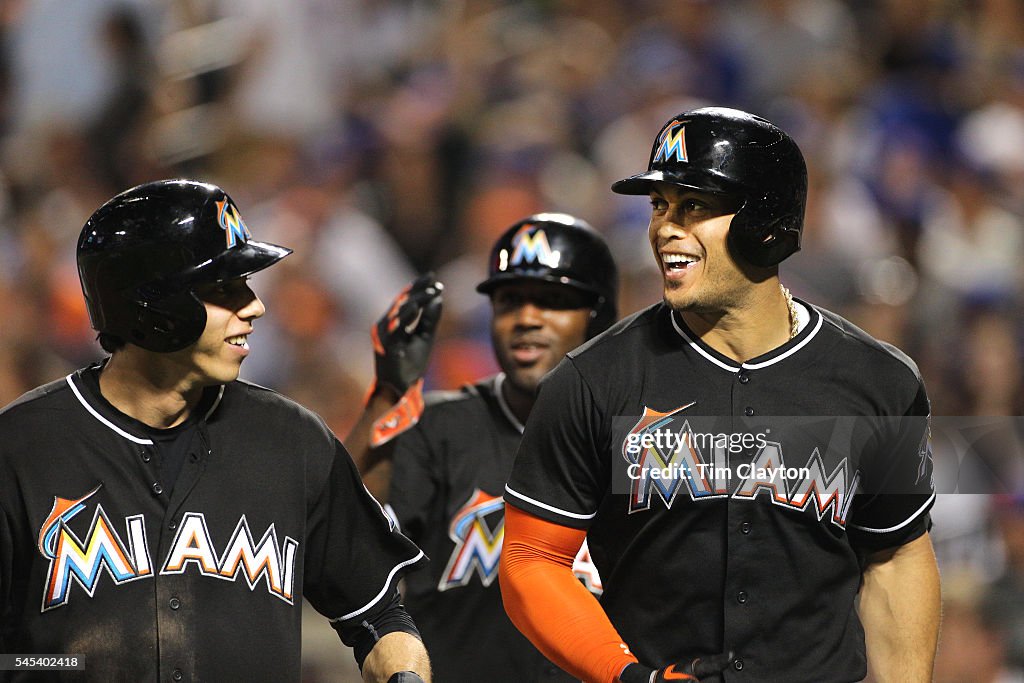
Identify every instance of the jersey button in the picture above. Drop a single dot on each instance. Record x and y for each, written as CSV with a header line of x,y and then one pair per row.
x,y
748,411
174,603
157,488
743,377
741,597
737,664
745,527
177,675
146,457
172,526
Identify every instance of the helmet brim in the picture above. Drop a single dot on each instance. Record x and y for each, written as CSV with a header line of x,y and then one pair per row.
x,y
241,261
490,284
695,180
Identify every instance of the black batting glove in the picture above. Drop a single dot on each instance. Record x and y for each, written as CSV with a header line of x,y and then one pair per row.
x,y
706,669
404,336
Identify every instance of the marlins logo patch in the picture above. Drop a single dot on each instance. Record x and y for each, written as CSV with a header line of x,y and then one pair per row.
x,y
672,143
530,245
235,230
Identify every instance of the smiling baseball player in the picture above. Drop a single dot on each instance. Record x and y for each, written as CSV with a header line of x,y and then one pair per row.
x,y
782,534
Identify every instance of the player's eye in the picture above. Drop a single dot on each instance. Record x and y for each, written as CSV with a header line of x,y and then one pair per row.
x,y
223,292
658,205
506,300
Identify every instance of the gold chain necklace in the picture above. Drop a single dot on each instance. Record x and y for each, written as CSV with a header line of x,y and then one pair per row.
x,y
794,320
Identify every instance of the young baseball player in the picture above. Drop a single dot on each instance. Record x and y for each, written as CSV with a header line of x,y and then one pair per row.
x,y
161,519
752,473
552,284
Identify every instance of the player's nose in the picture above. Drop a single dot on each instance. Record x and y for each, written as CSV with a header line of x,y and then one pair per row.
x,y
253,307
529,314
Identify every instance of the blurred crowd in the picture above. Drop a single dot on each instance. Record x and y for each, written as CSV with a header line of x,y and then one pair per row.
x,y
383,138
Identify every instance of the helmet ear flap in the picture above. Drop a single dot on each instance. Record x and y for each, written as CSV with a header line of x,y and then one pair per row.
x,y
762,243
168,325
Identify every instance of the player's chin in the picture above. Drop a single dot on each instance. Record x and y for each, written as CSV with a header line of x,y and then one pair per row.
x,y
525,380
678,298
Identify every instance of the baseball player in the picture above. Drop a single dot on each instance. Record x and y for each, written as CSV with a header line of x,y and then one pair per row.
x,y
552,284
752,472
162,520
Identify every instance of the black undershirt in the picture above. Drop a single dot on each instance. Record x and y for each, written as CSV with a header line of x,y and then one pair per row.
x,y
171,446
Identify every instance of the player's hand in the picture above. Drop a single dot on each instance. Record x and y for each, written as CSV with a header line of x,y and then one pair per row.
x,y
697,669
404,336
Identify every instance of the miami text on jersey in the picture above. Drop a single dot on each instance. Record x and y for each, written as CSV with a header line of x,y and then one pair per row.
x,y
712,472
74,559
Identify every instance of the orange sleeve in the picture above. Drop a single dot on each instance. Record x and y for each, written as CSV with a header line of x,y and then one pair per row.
x,y
548,603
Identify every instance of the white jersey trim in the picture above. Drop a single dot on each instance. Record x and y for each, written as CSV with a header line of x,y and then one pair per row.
x,y
108,423
802,321
787,354
216,402
549,508
898,526
387,584
697,347
499,382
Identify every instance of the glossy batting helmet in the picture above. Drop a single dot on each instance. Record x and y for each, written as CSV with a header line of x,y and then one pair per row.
x,y
557,247
739,155
141,255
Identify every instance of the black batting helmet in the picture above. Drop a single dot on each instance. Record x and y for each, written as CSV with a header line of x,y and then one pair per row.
x,y
557,247
733,153
141,254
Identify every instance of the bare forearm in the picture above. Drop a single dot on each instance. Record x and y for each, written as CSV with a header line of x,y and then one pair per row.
x,y
396,652
900,608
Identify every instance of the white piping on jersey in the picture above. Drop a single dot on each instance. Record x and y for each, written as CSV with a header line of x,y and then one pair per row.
x,y
802,323
216,402
549,508
787,354
499,382
383,590
102,419
136,439
900,525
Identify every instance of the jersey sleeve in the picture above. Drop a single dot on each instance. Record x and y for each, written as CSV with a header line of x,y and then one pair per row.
x,y
355,555
898,488
413,482
558,473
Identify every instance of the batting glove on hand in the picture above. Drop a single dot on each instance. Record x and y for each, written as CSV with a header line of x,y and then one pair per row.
x,y
696,669
404,336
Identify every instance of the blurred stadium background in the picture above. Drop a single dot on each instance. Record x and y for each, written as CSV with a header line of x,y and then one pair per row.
x,y
381,138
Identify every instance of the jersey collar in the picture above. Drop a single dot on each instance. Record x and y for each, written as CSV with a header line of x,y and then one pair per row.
x,y
499,381
808,331
115,420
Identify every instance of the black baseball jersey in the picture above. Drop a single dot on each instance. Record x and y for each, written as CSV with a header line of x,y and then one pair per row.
x,y
201,578
729,507
447,483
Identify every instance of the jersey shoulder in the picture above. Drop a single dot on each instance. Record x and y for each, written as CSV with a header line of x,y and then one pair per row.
x,y
886,357
465,409
263,406
43,399
632,332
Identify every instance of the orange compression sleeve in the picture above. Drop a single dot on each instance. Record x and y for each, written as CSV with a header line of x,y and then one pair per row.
x,y
548,603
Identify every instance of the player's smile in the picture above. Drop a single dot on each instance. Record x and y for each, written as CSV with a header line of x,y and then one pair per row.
x,y
240,342
675,266
529,349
